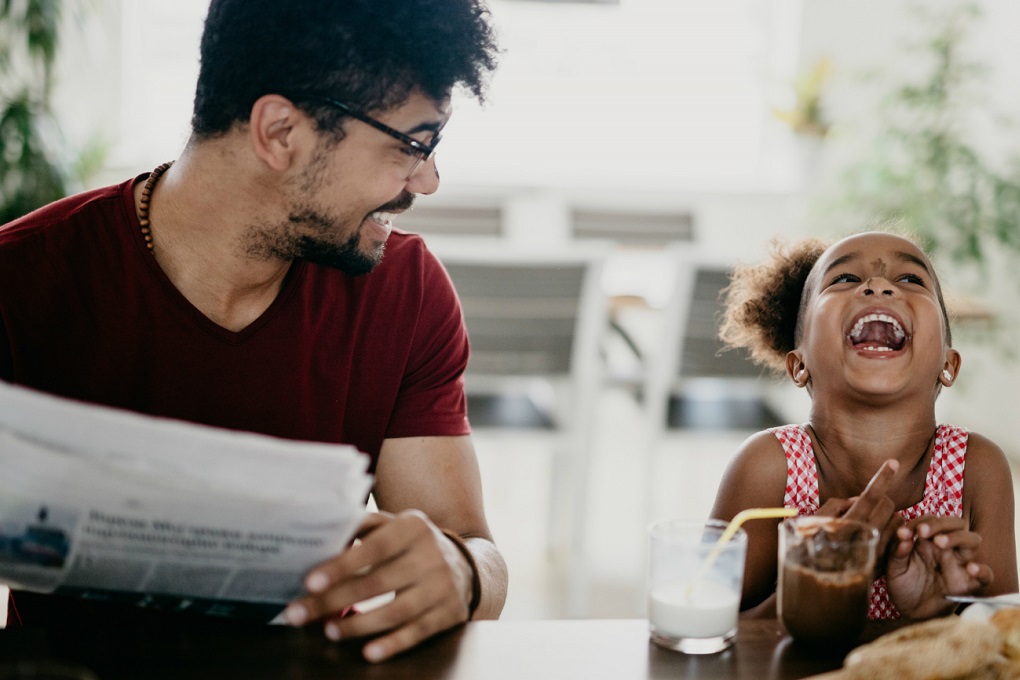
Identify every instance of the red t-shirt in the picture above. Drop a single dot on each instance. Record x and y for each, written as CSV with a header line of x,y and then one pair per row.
x,y
87,313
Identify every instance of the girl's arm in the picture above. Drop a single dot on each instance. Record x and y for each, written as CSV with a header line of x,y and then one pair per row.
x,y
988,507
756,478
976,553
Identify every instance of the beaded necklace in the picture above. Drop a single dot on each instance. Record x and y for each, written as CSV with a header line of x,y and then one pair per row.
x,y
146,199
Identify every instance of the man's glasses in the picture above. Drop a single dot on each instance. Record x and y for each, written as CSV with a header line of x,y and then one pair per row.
x,y
417,151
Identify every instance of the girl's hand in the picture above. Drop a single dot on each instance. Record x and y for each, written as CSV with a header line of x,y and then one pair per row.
x,y
931,558
874,507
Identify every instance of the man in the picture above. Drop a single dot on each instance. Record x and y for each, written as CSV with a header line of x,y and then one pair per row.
x,y
245,286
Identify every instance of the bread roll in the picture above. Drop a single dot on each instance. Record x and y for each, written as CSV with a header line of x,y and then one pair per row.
x,y
940,649
1008,622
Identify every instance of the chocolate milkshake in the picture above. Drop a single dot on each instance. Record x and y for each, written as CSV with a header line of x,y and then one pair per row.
x,y
825,575
823,607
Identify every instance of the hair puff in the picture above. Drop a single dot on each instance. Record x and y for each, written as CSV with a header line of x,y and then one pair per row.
x,y
762,302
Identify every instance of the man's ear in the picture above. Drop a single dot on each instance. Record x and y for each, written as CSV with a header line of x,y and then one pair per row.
x,y
272,128
796,369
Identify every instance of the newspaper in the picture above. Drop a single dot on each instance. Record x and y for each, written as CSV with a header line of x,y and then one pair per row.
x,y
112,505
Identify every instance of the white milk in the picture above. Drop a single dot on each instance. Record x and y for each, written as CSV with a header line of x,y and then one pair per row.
x,y
709,609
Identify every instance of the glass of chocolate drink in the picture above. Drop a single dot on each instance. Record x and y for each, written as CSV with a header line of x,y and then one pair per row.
x,y
826,567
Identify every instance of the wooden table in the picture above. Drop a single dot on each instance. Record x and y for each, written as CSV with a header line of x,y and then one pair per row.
x,y
589,649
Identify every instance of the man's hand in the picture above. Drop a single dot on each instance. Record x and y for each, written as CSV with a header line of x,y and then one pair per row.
x,y
933,557
404,554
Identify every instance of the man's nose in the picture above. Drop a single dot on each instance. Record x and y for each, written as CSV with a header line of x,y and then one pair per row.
x,y
425,178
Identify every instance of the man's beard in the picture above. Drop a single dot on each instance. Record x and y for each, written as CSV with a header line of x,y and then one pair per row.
x,y
347,256
307,236
310,233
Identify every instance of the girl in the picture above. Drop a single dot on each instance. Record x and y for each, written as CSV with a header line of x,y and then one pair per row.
x,y
861,324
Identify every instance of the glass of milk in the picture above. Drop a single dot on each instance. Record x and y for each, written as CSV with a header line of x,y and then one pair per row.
x,y
694,584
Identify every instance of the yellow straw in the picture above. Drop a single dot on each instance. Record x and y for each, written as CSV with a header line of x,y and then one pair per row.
x,y
752,513
731,529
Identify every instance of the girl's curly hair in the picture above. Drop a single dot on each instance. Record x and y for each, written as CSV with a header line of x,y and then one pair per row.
x,y
763,302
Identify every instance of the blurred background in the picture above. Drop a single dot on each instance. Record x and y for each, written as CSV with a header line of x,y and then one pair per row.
x,y
628,153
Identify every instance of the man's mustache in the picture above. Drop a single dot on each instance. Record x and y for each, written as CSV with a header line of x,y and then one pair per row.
x,y
401,203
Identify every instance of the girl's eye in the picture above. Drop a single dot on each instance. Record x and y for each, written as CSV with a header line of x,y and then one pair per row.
x,y
911,278
410,151
846,278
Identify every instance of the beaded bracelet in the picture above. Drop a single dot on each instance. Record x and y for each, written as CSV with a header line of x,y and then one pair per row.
x,y
476,581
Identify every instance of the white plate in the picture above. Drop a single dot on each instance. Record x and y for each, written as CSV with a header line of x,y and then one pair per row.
x,y
980,611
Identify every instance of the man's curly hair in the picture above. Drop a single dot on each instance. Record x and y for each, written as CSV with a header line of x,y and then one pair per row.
x,y
369,54
763,302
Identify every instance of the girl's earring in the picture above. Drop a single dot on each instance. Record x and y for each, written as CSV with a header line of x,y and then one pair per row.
x,y
948,376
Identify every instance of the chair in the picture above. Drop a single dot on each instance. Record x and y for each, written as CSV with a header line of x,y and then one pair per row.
x,y
535,321
689,381
692,362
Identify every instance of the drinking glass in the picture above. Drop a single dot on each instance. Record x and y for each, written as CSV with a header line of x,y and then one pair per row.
x,y
826,567
694,584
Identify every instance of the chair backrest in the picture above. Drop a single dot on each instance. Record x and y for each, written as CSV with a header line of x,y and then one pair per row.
x,y
691,348
527,316
431,220
532,316
633,228
701,352
521,319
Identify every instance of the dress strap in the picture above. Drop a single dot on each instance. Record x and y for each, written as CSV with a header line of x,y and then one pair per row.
x,y
944,486
801,470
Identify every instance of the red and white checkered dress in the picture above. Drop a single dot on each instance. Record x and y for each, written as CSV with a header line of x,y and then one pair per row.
x,y
943,488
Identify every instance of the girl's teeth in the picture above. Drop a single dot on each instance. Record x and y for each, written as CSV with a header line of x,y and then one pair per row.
x,y
885,318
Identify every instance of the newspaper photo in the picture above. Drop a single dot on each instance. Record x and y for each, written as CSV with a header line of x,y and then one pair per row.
x,y
112,505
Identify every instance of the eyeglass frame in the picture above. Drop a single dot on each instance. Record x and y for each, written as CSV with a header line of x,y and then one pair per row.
x,y
424,151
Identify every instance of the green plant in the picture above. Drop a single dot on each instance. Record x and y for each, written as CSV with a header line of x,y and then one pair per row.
x,y
35,165
924,171
806,117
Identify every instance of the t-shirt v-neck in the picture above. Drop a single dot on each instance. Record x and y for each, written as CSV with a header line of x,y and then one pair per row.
x,y
179,300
